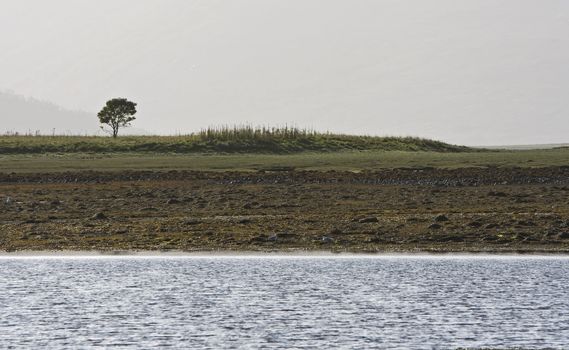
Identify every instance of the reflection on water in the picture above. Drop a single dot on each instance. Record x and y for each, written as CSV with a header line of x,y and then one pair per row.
x,y
288,302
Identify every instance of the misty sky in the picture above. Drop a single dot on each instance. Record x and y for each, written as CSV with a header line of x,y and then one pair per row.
x,y
476,72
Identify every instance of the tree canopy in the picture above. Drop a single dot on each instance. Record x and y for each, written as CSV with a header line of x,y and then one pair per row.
x,y
117,113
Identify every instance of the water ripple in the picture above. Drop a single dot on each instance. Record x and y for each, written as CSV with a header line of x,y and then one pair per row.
x,y
293,303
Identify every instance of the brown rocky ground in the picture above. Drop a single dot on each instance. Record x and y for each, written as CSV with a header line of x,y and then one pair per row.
x,y
472,209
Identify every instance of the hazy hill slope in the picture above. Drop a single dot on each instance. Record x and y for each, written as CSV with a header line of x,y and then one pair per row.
x,y
42,117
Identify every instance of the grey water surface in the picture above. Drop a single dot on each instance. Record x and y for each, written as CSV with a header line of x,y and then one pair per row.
x,y
288,302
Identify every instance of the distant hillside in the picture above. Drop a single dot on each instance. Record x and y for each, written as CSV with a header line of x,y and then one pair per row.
x,y
30,116
224,140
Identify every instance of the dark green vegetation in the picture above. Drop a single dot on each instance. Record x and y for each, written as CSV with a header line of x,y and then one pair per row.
x,y
118,113
223,140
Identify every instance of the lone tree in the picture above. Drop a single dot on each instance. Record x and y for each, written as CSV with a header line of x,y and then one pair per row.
x,y
117,113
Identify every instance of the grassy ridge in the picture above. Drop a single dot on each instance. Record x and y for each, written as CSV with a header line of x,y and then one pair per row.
x,y
222,140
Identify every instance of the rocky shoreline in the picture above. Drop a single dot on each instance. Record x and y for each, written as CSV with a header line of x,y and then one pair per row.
x,y
401,210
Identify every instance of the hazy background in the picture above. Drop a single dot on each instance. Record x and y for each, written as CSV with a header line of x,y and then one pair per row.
x,y
476,72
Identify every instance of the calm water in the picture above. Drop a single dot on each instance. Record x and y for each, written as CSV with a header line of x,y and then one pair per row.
x,y
285,302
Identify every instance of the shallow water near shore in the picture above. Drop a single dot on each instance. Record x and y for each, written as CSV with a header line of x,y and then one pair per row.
x,y
284,301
